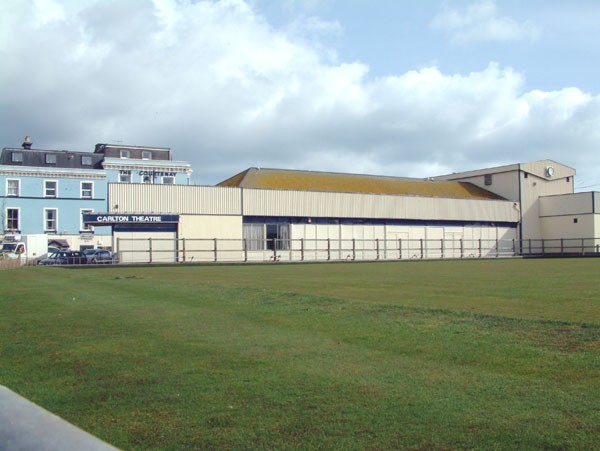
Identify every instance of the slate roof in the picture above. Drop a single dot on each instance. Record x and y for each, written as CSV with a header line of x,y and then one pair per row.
x,y
354,183
38,158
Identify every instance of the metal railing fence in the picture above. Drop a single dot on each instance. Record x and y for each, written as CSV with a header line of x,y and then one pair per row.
x,y
187,250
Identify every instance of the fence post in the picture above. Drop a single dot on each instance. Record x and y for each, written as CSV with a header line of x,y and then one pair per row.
x,y
582,247
328,248
150,249
562,246
479,247
400,248
183,246
514,247
442,247
543,246
301,249
462,248
353,248
245,243
215,249
497,248
422,249
377,247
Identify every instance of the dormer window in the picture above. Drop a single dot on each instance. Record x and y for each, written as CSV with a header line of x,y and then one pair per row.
x,y
17,157
146,155
487,179
125,153
50,158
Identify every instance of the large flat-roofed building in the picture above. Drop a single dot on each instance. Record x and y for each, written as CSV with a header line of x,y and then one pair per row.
x,y
274,214
263,214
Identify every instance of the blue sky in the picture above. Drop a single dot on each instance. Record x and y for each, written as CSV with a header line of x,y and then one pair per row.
x,y
411,89
553,43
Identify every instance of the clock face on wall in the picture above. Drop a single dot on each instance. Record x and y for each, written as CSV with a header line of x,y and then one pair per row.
x,y
549,171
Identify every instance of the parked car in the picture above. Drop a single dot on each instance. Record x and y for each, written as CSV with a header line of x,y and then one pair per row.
x,y
64,258
98,256
52,250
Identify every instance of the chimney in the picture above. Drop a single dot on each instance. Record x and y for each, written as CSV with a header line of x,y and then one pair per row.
x,y
27,143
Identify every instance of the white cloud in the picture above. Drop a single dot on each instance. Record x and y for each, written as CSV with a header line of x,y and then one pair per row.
x,y
480,22
226,91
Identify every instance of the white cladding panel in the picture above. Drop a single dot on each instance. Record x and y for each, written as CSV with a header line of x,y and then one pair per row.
x,y
347,205
557,227
568,204
211,226
174,199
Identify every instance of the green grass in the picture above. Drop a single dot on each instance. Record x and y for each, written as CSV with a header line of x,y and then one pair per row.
x,y
417,355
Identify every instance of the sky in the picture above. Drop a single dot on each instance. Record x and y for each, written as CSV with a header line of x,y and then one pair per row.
x,y
384,87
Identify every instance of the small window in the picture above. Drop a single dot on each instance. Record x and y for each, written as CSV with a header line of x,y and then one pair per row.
x,y
487,179
125,153
568,179
17,157
83,226
50,188
50,158
146,155
12,219
168,180
12,187
87,190
575,220
50,219
525,175
86,160
124,178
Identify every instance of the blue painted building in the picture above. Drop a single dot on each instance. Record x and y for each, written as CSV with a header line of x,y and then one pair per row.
x,y
45,191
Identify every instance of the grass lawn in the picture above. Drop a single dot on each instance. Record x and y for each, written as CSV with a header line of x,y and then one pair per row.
x,y
497,354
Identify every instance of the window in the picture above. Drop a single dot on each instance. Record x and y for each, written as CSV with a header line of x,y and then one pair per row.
x,y
168,180
12,187
87,190
254,234
12,219
85,227
278,236
86,160
146,155
267,236
17,157
568,179
50,188
50,219
525,175
50,158
125,153
487,179
575,220
125,178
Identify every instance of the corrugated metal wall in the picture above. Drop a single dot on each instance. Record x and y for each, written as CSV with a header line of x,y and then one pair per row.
x,y
345,205
174,199
184,199
570,204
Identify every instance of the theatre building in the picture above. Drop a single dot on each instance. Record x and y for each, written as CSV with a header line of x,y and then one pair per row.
x,y
283,215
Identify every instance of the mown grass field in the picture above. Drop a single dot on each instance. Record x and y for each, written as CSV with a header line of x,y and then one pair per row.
x,y
417,355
